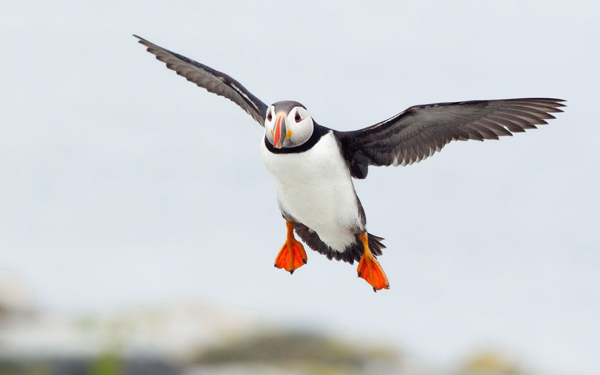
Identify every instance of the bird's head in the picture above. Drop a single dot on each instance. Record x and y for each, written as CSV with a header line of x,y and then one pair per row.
x,y
288,124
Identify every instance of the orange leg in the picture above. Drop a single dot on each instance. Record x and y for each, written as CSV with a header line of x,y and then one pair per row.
x,y
292,255
370,269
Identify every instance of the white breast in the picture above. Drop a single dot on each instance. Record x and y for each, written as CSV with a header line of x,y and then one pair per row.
x,y
315,187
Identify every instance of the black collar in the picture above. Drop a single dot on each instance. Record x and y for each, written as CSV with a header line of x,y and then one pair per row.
x,y
318,132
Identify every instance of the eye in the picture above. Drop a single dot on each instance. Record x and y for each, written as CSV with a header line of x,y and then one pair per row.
x,y
269,117
297,118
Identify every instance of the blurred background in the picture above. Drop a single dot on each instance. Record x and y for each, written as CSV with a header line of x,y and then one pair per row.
x,y
138,226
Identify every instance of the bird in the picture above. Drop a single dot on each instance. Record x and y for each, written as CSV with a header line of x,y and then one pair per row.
x,y
313,166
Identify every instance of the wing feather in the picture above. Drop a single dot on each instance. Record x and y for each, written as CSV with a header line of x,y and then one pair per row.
x,y
420,131
211,80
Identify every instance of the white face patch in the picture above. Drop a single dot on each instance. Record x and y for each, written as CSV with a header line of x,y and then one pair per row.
x,y
301,126
269,124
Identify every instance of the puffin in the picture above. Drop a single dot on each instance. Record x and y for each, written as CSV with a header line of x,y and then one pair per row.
x,y
313,165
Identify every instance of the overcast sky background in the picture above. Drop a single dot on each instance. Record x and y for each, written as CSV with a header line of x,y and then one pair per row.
x,y
122,184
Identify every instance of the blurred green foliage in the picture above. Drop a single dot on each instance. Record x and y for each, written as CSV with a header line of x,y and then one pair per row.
x,y
12,368
39,369
107,364
294,348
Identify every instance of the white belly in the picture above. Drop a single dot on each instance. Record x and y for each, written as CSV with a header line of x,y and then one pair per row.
x,y
315,187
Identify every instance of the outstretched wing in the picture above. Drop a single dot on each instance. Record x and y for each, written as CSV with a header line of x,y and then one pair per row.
x,y
421,130
210,79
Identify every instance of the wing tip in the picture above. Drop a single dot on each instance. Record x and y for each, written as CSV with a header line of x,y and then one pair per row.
x,y
143,41
553,101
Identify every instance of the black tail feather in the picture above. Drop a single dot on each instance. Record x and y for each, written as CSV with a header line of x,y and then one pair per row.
x,y
353,252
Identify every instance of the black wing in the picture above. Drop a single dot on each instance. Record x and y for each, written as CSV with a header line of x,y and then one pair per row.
x,y
421,130
210,79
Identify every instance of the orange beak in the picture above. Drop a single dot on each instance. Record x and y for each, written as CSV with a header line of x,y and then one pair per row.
x,y
279,132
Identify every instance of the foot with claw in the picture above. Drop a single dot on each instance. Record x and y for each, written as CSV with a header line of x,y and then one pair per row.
x,y
292,255
370,269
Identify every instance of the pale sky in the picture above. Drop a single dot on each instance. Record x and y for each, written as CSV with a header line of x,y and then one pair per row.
x,y
123,184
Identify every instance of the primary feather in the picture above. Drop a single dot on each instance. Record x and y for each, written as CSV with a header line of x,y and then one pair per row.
x,y
210,79
420,131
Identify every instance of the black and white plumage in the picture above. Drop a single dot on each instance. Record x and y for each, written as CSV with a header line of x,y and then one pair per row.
x,y
313,165
419,131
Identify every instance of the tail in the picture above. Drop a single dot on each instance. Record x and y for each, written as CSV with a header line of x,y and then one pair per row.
x,y
352,253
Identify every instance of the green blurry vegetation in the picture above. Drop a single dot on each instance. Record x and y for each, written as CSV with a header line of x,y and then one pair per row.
x,y
11,368
273,352
295,349
107,364
6,368
39,369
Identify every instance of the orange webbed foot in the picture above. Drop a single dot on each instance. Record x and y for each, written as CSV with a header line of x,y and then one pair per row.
x,y
292,255
370,269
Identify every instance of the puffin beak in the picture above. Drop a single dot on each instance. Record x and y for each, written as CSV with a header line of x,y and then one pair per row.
x,y
279,131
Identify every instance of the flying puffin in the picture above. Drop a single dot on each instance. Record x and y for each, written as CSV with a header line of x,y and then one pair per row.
x,y
313,165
